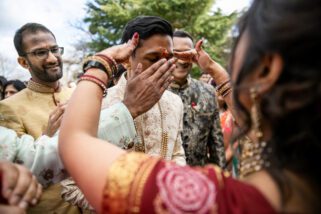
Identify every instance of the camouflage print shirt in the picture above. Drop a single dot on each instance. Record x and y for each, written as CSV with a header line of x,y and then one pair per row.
x,y
202,135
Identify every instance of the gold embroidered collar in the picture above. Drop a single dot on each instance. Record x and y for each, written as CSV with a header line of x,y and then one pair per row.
x,y
41,88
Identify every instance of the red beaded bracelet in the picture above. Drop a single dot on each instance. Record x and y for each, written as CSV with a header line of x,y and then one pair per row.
x,y
96,80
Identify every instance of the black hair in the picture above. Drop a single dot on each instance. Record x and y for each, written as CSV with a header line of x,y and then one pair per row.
x,y
146,26
17,84
3,80
292,107
182,34
27,28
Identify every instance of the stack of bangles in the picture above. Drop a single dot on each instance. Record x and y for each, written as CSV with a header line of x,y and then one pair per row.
x,y
102,62
224,89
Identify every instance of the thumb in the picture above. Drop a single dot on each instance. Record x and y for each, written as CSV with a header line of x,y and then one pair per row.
x,y
198,46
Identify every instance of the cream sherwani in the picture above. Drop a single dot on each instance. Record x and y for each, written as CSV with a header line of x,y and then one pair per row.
x,y
164,117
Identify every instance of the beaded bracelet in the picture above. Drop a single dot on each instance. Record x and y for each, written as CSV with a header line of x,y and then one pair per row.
x,y
95,80
110,61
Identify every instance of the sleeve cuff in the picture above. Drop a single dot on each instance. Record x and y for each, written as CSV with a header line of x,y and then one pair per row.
x,y
116,124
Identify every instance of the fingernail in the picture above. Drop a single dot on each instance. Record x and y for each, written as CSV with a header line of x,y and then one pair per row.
x,y
34,201
136,35
23,205
163,60
14,199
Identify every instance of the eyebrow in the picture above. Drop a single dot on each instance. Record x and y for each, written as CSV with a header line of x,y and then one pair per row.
x,y
41,48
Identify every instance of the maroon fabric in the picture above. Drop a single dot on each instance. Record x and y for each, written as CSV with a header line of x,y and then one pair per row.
x,y
231,196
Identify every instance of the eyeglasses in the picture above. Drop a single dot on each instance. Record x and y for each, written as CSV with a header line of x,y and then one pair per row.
x,y
43,53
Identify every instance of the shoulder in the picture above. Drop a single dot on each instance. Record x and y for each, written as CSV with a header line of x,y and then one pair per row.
x,y
207,88
18,97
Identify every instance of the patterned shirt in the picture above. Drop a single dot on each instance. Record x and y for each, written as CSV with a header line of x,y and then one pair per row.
x,y
202,135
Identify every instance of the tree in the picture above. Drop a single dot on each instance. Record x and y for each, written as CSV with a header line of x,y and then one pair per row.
x,y
107,18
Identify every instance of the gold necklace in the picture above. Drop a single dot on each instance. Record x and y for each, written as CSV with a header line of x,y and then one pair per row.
x,y
140,147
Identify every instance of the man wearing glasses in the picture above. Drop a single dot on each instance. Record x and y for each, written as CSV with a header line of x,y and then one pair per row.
x,y
38,109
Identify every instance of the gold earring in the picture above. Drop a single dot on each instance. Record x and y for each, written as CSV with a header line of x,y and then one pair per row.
x,y
251,157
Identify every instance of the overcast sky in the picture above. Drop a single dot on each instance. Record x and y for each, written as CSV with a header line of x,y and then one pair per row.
x,y
58,16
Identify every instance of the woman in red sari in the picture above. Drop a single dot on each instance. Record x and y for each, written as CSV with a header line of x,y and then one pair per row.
x,y
275,80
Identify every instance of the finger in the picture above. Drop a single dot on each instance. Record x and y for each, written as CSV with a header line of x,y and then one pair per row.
x,y
11,209
58,114
186,56
30,194
136,71
163,69
153,68
166,76
38,195
10,176
166,84
22,185
56,124
133,42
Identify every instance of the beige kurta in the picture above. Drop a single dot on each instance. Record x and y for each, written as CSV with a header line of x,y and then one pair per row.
x,y
169,111
27,112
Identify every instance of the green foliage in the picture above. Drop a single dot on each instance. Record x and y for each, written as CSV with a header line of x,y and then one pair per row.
x,y
107,19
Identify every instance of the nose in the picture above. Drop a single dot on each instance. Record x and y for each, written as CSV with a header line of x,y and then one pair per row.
x,y
51,58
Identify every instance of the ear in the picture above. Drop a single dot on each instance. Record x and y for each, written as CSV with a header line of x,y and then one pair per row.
x,y
268,73
23,62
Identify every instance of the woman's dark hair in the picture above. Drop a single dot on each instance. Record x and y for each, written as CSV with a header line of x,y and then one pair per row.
x,y
17,84
3,80
292,107
146,26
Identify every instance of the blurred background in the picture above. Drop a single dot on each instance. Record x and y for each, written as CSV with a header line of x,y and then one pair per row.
x,y
86,26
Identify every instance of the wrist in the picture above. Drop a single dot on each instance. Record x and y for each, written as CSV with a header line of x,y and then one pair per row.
x,y
133,111
99,74
217,72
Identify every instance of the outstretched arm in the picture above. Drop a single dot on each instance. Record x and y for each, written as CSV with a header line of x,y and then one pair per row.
x,y
86,157
217,72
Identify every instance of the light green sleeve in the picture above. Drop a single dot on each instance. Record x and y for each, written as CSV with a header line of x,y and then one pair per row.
x,y
116,125
40,156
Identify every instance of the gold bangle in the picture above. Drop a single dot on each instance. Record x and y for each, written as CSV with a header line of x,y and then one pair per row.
x,y
101,61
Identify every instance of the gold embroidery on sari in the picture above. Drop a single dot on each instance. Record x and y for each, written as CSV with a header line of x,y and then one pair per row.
x,y
119,181
139,183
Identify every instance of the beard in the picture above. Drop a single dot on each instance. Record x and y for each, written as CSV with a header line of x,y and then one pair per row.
x,y
44,73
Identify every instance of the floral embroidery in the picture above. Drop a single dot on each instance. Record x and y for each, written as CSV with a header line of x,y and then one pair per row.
x,y
195,106
183,190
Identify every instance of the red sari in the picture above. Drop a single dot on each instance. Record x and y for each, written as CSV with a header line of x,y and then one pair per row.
x,y
138,183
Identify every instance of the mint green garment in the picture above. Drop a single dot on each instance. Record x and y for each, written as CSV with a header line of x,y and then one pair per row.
x,y
41,155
